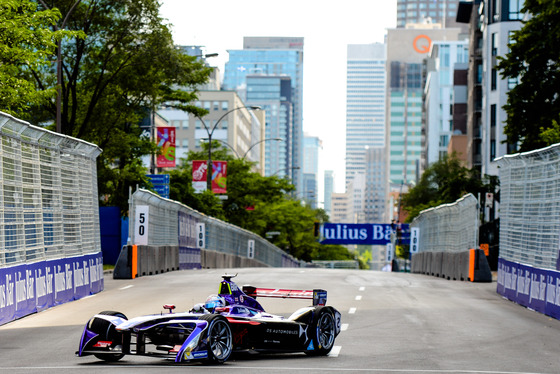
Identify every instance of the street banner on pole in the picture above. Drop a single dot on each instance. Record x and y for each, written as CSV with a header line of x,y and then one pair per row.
x,y
219,177
166,142
199,175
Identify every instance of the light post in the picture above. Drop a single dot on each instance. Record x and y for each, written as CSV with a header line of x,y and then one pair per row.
x,y
261,141
210,132
59,68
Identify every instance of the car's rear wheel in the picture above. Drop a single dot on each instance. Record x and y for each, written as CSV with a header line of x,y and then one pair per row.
x,y
219,338
107,332
323,331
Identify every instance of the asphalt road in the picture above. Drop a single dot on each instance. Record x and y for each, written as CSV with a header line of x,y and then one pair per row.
x,y
392,323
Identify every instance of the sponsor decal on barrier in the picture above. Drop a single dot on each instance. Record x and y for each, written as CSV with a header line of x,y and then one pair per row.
x,y
534,288
29,288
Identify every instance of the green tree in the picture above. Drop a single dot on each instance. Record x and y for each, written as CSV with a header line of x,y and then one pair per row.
x,y
27,44
444,182
258,204
125,68
533,105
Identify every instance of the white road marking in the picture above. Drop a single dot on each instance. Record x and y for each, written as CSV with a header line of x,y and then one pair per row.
x,y
335,351
359,297
362,288
126,287
352,311
344,327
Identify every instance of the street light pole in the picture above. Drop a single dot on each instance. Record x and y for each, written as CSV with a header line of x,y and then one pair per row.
x,y
210,132
259,142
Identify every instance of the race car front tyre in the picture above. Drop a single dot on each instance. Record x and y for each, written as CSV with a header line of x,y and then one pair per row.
x,y
219,338
106,331
323,330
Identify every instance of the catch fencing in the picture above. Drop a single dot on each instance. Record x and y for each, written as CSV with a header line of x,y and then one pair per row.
x,y
50,247
530,207
448,227
201,239
528,267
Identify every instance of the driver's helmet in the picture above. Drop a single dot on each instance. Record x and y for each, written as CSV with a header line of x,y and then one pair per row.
x,y
214,301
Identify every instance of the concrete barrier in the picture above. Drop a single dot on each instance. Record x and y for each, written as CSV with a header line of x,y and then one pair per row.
x,y
470,265
142,260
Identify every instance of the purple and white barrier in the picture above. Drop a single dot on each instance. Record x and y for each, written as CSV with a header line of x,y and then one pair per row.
x,y
534,288
30,288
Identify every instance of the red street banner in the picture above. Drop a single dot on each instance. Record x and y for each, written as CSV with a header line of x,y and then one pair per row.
x,y
166,141
199,175
219,177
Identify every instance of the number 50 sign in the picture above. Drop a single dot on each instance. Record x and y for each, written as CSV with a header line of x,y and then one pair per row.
x,y
141,221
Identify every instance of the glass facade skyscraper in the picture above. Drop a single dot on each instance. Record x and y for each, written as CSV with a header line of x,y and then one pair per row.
x,y
273,58
365,104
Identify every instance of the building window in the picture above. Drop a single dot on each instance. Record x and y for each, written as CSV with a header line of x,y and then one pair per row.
x,y
216,105
493,115
493,79
225,105
492,149
515,7
198,124
206,105
224,124
494,44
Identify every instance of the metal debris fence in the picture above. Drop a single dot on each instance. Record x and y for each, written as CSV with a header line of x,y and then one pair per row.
x,y
220,236
449,227
48,194
530,207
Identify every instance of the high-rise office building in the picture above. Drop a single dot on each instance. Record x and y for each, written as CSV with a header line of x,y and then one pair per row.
x,y
273,57
365,104
311,147
406,50
328,191
439,97
443,12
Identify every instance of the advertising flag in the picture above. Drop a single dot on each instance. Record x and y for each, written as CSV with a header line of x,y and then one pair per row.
x,y
219,177
166,142
199,175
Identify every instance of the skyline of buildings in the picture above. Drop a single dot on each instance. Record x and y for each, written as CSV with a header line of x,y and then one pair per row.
x,y
258,73
425,92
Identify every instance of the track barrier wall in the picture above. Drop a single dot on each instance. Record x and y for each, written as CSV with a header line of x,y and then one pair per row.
x,y
50,247
529,263
447,236
167,236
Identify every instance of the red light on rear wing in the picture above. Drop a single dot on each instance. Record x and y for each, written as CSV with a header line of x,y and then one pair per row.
x,y
318,296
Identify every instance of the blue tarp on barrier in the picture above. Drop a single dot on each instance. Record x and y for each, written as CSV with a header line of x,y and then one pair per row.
x,y
534,288
29,288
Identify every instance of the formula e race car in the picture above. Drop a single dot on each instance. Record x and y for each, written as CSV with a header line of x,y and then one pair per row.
x,y
230,321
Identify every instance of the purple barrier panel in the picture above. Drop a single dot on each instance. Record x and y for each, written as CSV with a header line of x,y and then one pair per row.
x,y
537,299
25,290
7,295
93,274
507,279
80,270
189,258
522,280
63,282
553,294
44,291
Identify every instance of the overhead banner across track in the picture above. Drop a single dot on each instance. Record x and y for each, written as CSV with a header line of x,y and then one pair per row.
x,y
363,233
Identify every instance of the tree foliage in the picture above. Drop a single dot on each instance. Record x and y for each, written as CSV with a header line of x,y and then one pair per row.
x,y
533,105
123,67
259,204
443,182
27,44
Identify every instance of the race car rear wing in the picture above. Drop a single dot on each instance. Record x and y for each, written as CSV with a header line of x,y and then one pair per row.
x,y
319,296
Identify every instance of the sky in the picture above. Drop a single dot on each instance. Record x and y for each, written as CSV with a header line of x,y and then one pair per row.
x,y
327,28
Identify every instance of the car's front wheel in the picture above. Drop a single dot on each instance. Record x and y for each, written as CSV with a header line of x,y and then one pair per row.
x,y
219,338
106,331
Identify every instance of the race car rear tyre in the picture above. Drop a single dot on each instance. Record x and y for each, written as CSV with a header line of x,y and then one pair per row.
x,y
219,338
323,332
106,331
